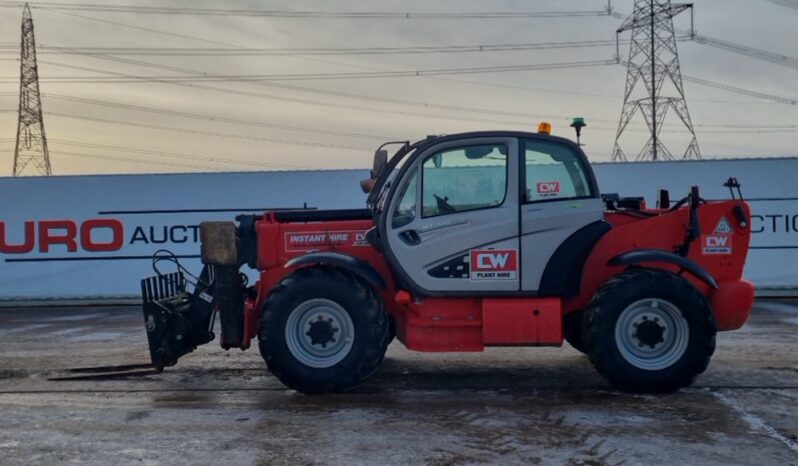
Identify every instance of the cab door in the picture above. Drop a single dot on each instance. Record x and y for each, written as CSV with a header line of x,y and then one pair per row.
x,y
559,197
452,224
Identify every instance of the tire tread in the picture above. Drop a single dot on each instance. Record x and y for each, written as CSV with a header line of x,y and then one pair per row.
x,y
323,281
605,308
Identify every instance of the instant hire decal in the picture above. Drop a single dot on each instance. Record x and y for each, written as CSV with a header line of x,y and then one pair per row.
x,y
309,240
494,264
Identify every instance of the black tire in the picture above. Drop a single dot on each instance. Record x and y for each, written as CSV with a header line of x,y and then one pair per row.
x,y
390,333
671,292
369,324
573,330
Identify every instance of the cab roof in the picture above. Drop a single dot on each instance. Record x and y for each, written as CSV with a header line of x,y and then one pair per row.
x,y
433,139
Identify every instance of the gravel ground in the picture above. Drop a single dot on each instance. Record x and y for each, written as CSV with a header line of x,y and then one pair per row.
x,y
504,406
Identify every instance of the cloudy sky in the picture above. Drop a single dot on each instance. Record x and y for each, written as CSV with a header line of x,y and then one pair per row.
x,y
100,120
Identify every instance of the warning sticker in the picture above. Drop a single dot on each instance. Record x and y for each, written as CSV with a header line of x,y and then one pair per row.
x,y
494,264
312,240
548,189
716,244
720,241
724,227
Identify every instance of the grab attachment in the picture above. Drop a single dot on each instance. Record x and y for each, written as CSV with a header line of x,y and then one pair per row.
x,y
176,320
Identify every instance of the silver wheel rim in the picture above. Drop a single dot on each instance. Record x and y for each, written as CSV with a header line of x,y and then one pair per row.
x,y
319,333
651,334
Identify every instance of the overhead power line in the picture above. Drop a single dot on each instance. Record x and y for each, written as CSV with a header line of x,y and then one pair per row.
x,y
752,52
307,101
740,90
192,166
323,76
236,51
612,13
570,92
427,105
338,94
311,90
140,28
459,109
705,128
282,97
314,59
736,90
741,49
158,10
199,158
216,119
214,133
251,123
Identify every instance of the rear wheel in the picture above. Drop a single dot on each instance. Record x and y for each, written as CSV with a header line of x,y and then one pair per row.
x,y
322,330
649,331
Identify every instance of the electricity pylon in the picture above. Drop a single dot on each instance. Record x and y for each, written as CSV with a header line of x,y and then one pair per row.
x,y
654,63
31,151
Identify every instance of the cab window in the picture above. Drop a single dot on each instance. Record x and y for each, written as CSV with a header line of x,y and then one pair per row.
x,y
463,179
553,172
406,209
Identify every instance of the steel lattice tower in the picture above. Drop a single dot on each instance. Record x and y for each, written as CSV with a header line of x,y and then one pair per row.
x,y
31,151
654,63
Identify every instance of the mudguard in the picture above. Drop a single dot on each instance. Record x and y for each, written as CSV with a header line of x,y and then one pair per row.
x,y
657,255
357,266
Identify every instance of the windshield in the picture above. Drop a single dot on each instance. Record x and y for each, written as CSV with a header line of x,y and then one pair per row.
x,y
405,211
385,178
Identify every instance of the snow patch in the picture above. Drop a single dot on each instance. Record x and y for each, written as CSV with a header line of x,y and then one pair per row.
x,y
756,423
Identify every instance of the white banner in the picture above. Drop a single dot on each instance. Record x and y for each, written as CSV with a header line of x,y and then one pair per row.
x,y
92,237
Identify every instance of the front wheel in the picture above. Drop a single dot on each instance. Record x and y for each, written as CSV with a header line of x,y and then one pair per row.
x,y
322,330
649,331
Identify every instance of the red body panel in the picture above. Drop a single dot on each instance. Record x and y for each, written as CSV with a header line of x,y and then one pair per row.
x,y
731,303
470,324
524,321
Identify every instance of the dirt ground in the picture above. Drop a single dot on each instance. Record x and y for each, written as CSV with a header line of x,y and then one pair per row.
x,y
504,406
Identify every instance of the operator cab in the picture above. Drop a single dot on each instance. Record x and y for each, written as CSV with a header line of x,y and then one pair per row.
x,y
485,212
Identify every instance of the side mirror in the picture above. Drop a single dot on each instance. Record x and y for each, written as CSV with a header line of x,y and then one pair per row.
x,y
380,160
367,185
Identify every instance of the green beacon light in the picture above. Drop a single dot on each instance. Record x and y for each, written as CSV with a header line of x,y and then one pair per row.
x,y
578,124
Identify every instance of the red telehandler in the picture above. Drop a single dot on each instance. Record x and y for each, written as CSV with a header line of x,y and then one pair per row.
x,y
468,241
